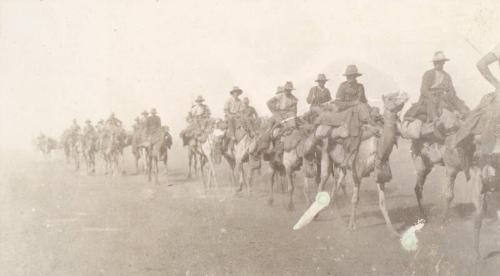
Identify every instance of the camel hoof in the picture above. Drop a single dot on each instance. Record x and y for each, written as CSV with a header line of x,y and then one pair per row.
x,y
270,202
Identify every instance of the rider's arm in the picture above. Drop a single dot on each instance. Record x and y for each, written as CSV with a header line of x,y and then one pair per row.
x,y
483,67
328,96
227,107
254,113
340,92
310,97
362,96
427,80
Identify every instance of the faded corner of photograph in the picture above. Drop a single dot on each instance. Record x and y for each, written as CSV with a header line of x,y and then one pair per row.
x,y
249,137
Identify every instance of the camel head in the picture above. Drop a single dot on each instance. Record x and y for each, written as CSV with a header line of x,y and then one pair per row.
x,y
394,102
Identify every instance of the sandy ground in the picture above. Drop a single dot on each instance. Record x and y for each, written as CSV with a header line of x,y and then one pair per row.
x,y
56,221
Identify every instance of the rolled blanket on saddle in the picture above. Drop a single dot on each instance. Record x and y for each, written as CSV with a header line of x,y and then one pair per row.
x,y
352,114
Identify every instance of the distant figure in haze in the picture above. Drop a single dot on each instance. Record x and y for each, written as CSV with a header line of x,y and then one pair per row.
x,y
153,124
144,119
113,121
75,128
88,129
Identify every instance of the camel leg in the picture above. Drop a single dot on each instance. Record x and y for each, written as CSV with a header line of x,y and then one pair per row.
x,y
244,180
204,179
422,170
136,163
451,175
156,169
479,200
190,164
250,179
383,208
240,176
339,183
354,202
325,166
291,186
212,173
149,166
270,201
307,184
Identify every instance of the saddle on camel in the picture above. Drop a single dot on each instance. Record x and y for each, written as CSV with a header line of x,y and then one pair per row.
x,y
198,120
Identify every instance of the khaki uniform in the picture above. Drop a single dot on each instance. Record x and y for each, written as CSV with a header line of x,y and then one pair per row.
x,y
153,124
233,108
436,92
318,96
351,91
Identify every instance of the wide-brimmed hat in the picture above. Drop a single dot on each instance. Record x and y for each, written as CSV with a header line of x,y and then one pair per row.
x,y
144,112
288,86
321,77
236,89
153,110
439,56
199,99
280,89
352,70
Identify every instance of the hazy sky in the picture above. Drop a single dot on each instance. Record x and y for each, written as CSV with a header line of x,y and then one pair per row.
x,y
61,60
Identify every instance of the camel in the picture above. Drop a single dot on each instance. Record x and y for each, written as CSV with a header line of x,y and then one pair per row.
x,y
46,145
426,153
89,148
244,151
112,143
211,155
153,146
138,151
76,148
65,143
372,155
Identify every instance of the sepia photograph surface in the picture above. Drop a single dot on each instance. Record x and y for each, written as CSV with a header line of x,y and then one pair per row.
x,y
237,137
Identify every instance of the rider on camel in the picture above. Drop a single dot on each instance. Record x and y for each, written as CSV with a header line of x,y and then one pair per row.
x,y
153,124
113,121
436,93
233,109
283,106
318,96
197,119
483,123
